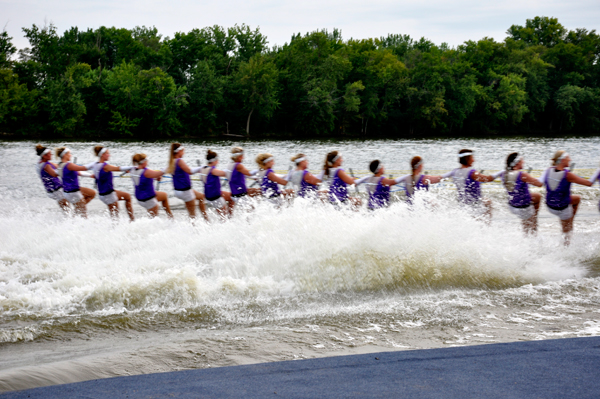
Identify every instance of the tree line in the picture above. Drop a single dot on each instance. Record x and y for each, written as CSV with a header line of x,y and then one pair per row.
x,y
120,83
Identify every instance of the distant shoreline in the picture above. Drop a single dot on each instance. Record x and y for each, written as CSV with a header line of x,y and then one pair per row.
x,y
8,137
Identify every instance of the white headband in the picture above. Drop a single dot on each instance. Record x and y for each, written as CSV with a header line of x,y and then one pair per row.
x,y
563,156
334,159
515,161
300,160
180,148
266,161
142,161
47,150
64,152
419,164
465,154
212,159
237,154
379,168
102,151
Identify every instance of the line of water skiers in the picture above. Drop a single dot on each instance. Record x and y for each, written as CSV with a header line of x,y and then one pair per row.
x,y
62,183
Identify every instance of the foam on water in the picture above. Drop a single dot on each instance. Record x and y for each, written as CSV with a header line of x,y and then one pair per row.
x,y
75,267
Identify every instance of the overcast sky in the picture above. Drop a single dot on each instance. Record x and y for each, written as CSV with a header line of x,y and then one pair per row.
x,y
440,21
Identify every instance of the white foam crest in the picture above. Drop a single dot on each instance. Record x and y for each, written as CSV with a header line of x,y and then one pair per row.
x,y
66,266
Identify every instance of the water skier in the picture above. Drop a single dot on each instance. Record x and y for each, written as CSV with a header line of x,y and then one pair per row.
x,y
560,202
104,179
520,201
378,186
236,174
269,180
143,180
50,179
215,198
468,184
182,183
417,180
70,172
338,188
305,182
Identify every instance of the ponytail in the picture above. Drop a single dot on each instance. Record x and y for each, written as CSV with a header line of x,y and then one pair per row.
x,y
511,162
172,152
329,161
414,164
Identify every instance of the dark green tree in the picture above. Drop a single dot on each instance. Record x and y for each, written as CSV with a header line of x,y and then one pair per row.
x,y
63,102
256,82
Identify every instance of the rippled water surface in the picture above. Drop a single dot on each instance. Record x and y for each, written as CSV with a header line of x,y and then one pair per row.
x,y
82,299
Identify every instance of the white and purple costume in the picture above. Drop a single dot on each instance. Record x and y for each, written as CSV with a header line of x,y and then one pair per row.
x,y
104,180
379,194
182,184
212,187
469,189
237,181
269,188
338,189
558,193
519,198
412,185
304,189
52,184
70,179
144,188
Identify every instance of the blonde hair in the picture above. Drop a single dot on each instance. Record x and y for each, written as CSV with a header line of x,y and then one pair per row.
x,y
297,156
329,160
171,165
236,152
557,156
260,159
137,158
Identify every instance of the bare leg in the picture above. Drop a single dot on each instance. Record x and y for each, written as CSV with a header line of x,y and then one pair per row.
x,y
64,205
201,204
161,196
356,203
88,194
230,202
113,210
530,225
567,225
123,196
80,207
223,212
191,208
153,212
288,194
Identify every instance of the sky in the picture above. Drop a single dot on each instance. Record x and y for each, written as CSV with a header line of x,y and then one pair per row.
x,y
439,21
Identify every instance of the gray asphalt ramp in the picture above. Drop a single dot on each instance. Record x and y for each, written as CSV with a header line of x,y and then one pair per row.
x,y
564,368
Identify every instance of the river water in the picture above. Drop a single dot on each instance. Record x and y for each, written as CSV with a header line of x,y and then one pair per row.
x,y
92,298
